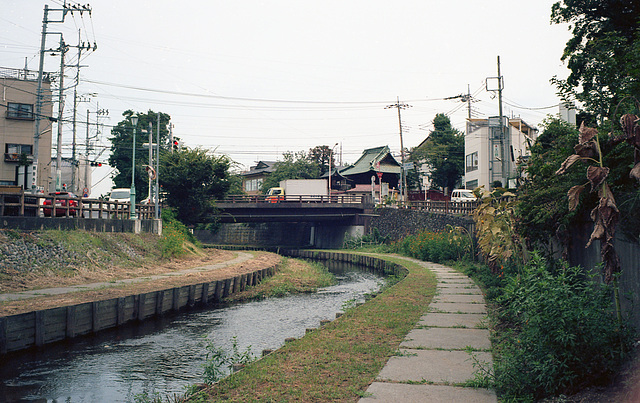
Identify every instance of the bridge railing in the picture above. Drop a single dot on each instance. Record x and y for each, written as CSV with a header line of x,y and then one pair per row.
x,y
445,206
342,199
23,204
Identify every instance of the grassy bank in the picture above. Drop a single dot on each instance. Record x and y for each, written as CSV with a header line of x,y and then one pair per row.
x,y
293,277
338,362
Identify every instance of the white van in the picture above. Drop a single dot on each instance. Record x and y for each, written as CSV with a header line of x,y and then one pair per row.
x,y
462,195
121,195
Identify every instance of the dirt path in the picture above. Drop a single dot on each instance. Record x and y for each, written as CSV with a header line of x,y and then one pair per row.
x,y
172,274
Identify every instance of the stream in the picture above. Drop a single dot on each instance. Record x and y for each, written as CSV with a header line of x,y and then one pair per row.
x,y
160,357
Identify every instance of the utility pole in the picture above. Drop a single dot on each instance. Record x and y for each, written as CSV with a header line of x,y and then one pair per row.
x,y
74,163
503,142
157,193
403,176
150,194
87,166
468,101
33,174
63,50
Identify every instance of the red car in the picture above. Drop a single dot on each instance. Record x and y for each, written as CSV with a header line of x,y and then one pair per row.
x,y
62,198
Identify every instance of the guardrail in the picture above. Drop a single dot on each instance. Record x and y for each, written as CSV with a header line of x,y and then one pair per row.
x,y
344,199
24,204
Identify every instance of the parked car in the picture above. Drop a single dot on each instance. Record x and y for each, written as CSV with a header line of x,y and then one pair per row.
x,y
62,198
462,195
121,195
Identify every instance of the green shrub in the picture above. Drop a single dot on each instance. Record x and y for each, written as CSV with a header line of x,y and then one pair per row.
x,y
435,247
174,235
557,334
374,238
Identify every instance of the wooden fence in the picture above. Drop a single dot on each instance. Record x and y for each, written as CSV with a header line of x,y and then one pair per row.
x,y
24,204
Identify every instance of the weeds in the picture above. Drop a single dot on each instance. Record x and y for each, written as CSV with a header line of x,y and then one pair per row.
x,y
437,247
218,361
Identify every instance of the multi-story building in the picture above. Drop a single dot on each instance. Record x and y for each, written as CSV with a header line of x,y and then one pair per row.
x,y
18,92
253,178
492,152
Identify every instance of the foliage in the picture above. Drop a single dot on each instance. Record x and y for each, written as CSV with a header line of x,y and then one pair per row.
x,y
558,333
192,179
373,238
603,54
437,247
122,142
218,362
321,155
174,235
443,152
542,212
294,166
495,227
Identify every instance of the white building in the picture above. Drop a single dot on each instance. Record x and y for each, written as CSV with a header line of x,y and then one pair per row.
x,y
492,152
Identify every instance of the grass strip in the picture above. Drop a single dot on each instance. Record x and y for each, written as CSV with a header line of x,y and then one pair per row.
x,y
340,360
294,276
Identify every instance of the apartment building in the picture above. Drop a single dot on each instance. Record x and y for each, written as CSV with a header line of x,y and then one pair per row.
x,y
18,88
494,150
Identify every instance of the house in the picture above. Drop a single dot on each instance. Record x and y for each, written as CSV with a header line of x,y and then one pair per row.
x,y
492,152
18,89
253,178
373,164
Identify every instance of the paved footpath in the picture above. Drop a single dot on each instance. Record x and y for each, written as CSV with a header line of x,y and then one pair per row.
x,y
240,258
433,356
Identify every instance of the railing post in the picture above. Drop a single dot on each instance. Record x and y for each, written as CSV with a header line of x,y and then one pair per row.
x,y
22,203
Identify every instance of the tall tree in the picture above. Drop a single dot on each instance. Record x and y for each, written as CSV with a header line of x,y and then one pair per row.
x,y
321,155
192,180
293,166
603,54
443,152
122,143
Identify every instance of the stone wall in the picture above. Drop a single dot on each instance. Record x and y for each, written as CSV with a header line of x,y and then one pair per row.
x,y
398,223
258,234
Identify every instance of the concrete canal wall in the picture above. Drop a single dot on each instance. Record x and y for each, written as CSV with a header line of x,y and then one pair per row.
x,y
38,328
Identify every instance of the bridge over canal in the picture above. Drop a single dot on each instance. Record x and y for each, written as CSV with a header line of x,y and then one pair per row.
x,y
350,210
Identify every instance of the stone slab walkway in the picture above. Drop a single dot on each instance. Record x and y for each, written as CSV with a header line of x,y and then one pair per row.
x,y
240,258
436,356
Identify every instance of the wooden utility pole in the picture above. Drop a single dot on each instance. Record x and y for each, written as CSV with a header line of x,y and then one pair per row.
x,y
403,176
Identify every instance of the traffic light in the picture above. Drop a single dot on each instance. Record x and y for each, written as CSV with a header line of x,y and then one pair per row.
x,y
96,164
175,145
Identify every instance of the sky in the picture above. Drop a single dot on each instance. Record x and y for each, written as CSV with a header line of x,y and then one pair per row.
x,y
255,79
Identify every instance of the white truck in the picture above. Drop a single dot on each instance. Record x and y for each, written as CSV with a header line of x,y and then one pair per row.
x,y
299,190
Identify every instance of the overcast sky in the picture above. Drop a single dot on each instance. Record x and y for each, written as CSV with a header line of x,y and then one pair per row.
x,y
253,79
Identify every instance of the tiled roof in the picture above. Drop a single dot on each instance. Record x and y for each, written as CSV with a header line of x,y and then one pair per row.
x,y
369,160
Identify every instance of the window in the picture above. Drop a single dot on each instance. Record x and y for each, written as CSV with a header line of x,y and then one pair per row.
x,y
472,162
12,152
19,111
472,184
252,185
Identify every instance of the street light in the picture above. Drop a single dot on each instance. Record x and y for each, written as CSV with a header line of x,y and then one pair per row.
x,y
132,192
330,170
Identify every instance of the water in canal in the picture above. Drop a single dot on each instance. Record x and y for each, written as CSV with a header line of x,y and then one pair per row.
x,y
165,355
